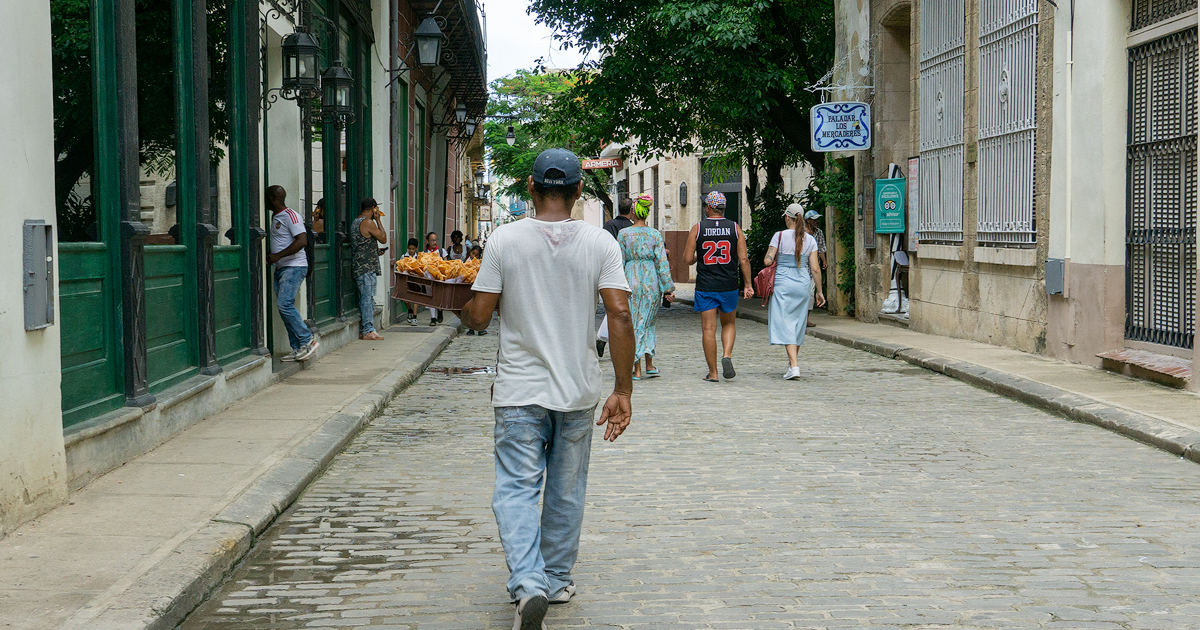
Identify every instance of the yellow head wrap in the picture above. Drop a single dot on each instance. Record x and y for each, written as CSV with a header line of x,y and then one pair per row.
x,y
641,209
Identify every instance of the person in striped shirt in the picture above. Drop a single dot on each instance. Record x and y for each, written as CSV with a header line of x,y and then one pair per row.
x,y
288,238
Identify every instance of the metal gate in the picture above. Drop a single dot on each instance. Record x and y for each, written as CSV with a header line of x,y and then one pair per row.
x,y
1007,100
1160,236
939,217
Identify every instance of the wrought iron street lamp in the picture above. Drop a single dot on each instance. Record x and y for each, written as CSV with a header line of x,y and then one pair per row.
x,y
470,126
511,136
336,99
300,76
429,42
460,113
479,177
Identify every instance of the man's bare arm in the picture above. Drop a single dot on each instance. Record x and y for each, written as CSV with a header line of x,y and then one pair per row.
x,y
744,261
477,313
689,251
374,229
618,409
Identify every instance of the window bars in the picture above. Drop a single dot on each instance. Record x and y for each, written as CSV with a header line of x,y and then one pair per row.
x,y
1007,121
939,216
1160,236
1149,12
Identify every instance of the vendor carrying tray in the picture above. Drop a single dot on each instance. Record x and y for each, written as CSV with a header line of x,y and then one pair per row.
x,y
444,296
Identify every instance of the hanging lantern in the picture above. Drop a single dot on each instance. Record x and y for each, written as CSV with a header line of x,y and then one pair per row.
x,y
460,113
470,125
336,97
429,42
511,136
300,52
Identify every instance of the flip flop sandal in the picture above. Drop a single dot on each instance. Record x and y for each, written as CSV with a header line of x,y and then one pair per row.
x,y
637,378
651,374
712,380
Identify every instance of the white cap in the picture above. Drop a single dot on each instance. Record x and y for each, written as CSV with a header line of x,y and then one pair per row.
x,y
794,210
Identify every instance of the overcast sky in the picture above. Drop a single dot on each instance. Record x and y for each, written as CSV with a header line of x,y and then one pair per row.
x,y
515,42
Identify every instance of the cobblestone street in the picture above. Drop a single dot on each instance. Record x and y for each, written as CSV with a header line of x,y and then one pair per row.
x,y
868,494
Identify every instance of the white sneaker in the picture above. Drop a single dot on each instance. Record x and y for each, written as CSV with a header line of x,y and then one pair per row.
x,y
563,596
792,374
291,356
308,350
530,613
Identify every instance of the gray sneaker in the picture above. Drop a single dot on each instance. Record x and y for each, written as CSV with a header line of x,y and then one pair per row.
x,y
564,595
291,356
530,613
308,350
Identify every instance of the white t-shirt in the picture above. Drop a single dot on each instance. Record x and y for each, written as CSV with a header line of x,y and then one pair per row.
x,y
286,225
785,242
548,275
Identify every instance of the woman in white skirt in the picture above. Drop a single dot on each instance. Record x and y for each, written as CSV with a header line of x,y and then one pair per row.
x,y
797,272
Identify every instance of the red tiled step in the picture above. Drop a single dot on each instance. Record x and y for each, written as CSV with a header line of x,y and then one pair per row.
x,y
1162,368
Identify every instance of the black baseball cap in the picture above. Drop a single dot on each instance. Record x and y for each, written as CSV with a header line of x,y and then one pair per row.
x,y
557,167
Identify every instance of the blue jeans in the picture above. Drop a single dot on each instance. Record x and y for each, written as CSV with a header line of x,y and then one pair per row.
x,y
366,301
287,283
535,444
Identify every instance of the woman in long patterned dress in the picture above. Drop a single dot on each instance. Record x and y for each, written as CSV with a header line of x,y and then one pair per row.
x,y
649,278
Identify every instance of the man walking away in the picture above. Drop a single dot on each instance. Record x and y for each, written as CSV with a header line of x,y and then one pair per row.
x,y
717,240
288,238
622,220
366,234
545,272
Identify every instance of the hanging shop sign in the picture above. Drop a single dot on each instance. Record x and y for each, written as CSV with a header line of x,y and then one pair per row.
x,y
842,126
599,163
889,206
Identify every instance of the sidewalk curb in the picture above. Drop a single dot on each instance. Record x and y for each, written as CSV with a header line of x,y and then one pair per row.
x,y
1162,435
162,598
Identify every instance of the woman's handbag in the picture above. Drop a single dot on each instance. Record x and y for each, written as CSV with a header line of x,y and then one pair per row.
x,y
764,282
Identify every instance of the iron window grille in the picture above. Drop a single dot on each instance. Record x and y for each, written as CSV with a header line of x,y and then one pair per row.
x,y
1160,236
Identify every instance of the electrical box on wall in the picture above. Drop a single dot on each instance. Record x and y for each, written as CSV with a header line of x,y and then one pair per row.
x,y
38,272
1056,275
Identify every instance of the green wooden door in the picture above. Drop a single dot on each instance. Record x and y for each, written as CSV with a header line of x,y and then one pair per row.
x,y
92,371
171,353
349,286
322,285
233,336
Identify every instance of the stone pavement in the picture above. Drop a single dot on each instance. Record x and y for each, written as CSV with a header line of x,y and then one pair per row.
x,y
140,546
869,494
1165,417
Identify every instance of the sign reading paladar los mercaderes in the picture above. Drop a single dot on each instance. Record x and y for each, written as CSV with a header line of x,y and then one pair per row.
x,y
889,206
844,126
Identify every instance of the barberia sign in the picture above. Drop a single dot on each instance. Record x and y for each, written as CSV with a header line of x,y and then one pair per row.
x,y
599,163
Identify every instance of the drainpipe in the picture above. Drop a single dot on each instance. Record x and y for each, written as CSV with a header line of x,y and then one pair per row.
x,y
394,95
1068,97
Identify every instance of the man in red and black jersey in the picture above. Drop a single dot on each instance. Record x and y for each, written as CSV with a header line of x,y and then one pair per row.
x,y
712,245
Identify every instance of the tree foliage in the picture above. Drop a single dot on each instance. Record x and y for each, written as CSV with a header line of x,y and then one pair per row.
x,y
522,100
687,75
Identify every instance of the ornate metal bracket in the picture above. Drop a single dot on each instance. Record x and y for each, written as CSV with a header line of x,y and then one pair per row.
x,y
272,95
